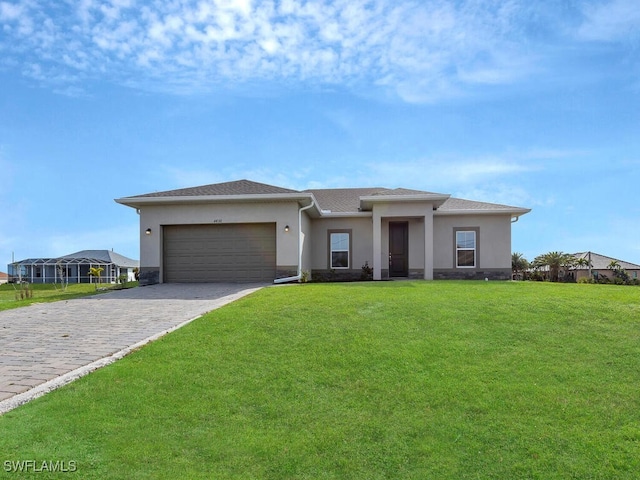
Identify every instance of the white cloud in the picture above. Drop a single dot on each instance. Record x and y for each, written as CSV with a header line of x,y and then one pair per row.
x,y
421,50
446,171
10,11
507,194
610,21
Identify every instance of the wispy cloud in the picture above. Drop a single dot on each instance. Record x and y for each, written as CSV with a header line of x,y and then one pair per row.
x,y
445,172
179,178
610,21
419,50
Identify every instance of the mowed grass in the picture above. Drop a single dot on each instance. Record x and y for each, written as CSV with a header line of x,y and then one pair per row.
x,y
407,380
42,293
48,292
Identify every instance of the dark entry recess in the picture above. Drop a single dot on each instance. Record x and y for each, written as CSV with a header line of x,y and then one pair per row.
x,y
398,249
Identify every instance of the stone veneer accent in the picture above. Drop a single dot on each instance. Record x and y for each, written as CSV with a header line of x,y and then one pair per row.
x,y
472,274
148,276
285,272
336,275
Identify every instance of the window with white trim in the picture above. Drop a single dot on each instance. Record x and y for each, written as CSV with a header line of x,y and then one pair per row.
x,y
339,246
465,249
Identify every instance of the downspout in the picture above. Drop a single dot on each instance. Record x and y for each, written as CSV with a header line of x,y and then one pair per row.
x,y
299,275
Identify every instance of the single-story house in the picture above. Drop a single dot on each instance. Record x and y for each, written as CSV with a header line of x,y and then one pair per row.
x,y
4,278
244,231
74,268
600,266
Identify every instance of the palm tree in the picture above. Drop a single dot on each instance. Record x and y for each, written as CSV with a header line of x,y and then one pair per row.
x,y
583,263
518,263
96,272
618,271
555,261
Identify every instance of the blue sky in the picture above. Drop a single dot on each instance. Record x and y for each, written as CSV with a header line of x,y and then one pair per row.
x,y
532,104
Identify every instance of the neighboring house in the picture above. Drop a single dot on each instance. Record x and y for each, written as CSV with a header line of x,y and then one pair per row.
x,y
4,278
245,231
599,266
74,268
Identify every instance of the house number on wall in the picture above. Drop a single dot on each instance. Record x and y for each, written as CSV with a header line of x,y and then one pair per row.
x,y
217,220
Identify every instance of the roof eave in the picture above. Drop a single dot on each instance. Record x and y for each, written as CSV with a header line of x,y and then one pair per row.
x,y
516,212
326,214
137,202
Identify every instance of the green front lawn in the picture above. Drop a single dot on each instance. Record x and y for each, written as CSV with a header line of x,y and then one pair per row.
x,y
410,380
10,293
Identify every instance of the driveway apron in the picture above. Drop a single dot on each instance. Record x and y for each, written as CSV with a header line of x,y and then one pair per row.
x,y
44,346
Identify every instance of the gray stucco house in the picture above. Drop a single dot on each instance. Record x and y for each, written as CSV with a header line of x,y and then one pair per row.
x,y
245,231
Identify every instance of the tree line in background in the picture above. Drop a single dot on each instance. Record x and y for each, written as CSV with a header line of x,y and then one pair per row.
x,y
561,267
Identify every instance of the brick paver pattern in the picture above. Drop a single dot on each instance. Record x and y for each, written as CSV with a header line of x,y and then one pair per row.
x,y
43,341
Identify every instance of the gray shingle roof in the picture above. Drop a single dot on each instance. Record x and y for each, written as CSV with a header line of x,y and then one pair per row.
x,y
238,187
454,204
106,256
86,256
336,200
344,200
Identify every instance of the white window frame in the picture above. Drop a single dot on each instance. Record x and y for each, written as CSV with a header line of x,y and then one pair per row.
x,y
474,249
332,250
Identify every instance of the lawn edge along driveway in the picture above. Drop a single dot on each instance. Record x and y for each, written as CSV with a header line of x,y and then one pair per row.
x,y
46,346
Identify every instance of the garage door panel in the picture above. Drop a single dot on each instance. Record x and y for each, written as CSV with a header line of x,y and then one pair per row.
x,y
219,253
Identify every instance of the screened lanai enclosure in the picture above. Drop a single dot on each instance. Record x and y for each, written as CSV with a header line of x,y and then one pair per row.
x,y
74,268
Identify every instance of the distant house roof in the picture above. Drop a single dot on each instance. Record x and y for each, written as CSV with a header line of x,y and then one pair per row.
x,y
601,262
106,256
4,276
86,256
330,200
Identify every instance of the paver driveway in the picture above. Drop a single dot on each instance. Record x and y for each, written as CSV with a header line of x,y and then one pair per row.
x,y
42,342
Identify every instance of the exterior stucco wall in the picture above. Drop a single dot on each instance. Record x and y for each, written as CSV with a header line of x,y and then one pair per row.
x,y
494,244
154,217
584,273
361,242
431,237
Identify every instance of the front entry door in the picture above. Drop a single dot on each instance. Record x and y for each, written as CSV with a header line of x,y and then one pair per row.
x,y
398,249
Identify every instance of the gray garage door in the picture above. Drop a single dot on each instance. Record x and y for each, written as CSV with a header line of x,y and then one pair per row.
x,y
220,253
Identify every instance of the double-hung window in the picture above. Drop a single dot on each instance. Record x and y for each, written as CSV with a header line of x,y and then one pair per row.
x,y
466,251
339,249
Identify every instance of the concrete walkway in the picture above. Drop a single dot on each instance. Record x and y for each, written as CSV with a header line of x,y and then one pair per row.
x,y
44,346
